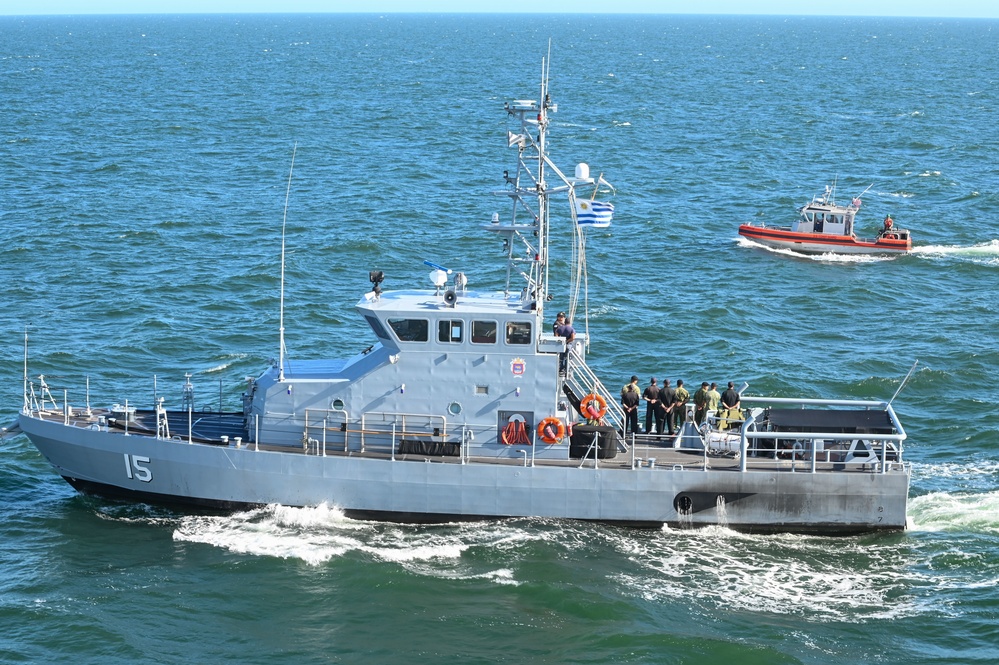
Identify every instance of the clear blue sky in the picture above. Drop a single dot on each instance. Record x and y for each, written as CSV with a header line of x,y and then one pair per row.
x,y
953,8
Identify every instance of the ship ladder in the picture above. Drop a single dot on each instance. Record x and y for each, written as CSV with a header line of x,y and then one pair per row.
x,y
581,381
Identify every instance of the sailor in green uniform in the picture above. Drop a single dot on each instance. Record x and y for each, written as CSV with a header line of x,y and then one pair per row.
x,y
714,397
680,399
701,403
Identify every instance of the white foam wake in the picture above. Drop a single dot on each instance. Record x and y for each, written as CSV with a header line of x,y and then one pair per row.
x,y
986,252
965,511
828,257
322,533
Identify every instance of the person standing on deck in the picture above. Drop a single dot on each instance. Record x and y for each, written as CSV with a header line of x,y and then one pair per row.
x,y
651,397
680,399
731,403
730,398
714,397
564,329
629,402
701,403
664,409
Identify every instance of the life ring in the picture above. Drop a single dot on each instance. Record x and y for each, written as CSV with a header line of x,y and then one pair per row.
x,y
551,430
593,406
891,236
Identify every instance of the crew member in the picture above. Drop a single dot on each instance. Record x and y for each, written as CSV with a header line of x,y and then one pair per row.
x,y
701,397
630,395
564,329
651,397
731,403
680,399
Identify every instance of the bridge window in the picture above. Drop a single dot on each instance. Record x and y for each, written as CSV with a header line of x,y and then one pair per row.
x,y
449,330
518,332
411,330
483,332
377,326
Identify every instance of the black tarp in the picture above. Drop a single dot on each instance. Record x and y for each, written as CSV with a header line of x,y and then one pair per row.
x,y
581,442
831,421
430,448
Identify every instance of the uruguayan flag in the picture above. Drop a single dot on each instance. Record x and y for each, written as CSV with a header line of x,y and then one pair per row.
x,y
596,214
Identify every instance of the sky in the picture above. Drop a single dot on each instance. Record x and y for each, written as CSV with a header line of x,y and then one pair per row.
x,y
941,8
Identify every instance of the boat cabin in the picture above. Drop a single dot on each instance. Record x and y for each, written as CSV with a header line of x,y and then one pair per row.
x,y
825,218
454,365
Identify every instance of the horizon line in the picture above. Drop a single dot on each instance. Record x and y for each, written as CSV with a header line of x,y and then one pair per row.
x,y
818,14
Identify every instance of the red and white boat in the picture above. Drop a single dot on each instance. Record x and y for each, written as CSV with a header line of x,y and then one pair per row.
x,y
824,227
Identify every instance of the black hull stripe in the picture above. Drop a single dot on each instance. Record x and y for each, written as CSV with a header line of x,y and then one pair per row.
x,y
113,492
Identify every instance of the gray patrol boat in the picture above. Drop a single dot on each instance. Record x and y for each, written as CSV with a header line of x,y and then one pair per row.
x,y
514,424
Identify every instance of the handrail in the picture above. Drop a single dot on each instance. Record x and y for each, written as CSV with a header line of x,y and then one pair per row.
x,y
813,400
747,431
803,401
393,417
878,404
589,383
326,417
834,436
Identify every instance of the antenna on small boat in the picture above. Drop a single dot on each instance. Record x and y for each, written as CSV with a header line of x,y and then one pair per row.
x,y
27,403
284,225
902,385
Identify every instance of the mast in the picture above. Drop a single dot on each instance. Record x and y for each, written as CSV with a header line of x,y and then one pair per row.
x,y
527,242
541,290
530,195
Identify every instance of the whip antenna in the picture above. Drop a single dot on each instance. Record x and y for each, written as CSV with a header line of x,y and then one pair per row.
x,y
284,225
26,408
902,385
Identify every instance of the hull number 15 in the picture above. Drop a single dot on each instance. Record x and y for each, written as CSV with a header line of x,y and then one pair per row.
x,y
135,467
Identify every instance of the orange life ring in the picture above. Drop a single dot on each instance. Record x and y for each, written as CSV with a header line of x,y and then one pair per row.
x,y
891,236
587,408
551,430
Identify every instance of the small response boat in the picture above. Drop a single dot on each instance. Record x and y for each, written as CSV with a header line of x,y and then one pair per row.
x,y
824,227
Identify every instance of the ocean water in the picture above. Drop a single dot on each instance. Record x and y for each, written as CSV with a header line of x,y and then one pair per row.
x,y
145,164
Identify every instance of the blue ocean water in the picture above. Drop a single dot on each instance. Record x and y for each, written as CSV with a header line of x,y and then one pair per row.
x,y
145,167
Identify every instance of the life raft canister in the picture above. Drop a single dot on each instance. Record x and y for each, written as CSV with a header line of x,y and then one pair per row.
x,y
551,430
593,406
